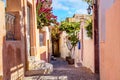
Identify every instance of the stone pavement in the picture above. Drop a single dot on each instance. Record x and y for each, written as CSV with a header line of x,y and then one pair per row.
x,y
63,71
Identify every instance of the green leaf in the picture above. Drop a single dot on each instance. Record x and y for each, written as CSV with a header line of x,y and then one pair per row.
x,y
72,29
88,27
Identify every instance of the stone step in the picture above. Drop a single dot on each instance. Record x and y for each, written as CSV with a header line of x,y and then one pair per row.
x,y
46,78
35,64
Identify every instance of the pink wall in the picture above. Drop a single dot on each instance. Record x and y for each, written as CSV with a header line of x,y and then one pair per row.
x,y
103,6
110,48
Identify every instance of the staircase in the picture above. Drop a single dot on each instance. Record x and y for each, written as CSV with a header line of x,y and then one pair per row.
x,y
36,64
47,78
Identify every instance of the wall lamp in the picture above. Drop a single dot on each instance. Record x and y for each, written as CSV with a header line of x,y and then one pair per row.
x,y
90,6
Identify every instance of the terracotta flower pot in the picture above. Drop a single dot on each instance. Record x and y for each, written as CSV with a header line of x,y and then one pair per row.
x,y
68,57
71,61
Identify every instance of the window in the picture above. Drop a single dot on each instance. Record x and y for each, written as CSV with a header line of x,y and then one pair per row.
x,y
13,26
41,39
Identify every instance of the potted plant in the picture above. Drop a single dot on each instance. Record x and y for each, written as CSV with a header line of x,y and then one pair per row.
x,y
72,29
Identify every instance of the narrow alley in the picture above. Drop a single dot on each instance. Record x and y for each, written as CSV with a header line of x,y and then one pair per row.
x,y
63,71
59,39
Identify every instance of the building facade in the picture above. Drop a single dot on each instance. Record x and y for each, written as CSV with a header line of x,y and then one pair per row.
x,y
85,54
20,40
109,11
2,31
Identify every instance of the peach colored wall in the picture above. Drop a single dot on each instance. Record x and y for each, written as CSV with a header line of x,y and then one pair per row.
x,y
42,49
30,1
13,5
37,43
2,34
88,54
13,60
103,6
33,26
110,49
88,51
15,51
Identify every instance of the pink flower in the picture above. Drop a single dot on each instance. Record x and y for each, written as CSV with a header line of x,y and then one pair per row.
x,y
37,3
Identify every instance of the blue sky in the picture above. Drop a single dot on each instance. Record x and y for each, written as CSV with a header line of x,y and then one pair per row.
x,y
67,8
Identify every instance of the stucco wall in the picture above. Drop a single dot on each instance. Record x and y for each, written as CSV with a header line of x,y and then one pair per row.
x,y
88,54
43,50
30,1
14,57
2,34
13,5
88,50
103,6
14,50
87,57
13,65
62,46
110,49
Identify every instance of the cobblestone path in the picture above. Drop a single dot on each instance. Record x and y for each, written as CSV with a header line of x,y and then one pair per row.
x,y
63,71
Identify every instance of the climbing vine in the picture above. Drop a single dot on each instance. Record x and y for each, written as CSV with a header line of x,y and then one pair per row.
x,y
88,1
88,28
55,33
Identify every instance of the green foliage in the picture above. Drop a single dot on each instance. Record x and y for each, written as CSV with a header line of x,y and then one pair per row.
x,y
72,29
40,18
41,21
44,14
89,28
55,33
88,1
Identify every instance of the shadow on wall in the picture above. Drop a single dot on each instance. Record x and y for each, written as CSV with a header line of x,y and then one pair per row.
x,y
12,60
13,48
43,56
